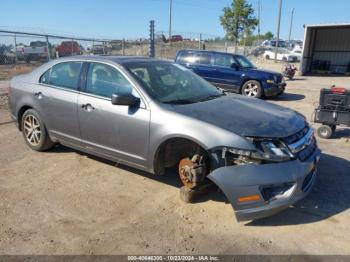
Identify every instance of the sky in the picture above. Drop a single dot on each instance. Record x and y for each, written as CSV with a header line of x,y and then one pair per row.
x,y
130,18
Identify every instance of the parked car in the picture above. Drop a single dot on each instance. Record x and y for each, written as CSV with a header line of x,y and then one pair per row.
x,y
297,53
282,55
272,43
152,115
176,38
36,51
231,72
68,48
6,55
100,49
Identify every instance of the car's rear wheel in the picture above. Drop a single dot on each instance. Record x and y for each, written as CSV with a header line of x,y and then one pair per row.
x,y
267,57
34,131
252,88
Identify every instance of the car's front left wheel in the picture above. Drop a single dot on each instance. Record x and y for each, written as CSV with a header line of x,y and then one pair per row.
x,y
34,131
252,88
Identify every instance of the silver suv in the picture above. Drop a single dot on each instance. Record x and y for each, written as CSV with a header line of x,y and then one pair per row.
x,y
153,115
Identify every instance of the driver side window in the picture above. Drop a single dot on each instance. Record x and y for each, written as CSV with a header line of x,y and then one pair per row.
x,y
104,80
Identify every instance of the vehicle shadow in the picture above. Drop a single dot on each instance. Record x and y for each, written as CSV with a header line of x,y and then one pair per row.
x,y
170,177
296,79
341,132
287,97
329,197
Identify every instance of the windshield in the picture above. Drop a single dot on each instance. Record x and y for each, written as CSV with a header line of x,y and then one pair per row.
x,y
172,83
244,62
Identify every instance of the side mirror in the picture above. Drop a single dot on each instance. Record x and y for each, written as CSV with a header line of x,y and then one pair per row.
x,y
235,66
126,99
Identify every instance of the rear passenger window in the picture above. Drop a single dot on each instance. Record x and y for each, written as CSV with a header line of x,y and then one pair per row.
x,y
104,80
187,58
205,59
64,75
224,60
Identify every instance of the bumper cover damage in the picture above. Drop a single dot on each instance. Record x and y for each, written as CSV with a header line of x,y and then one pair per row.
x,y
257,191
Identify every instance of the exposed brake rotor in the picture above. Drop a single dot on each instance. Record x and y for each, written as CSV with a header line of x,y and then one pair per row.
x,y
192,171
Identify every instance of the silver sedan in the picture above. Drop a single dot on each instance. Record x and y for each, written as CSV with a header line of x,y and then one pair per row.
x,y
154,115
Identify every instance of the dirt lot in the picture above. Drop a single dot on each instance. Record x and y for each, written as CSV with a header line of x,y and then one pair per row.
x,y
64,202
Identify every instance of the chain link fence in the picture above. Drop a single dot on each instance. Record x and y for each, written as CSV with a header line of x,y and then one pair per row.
x,y
20,52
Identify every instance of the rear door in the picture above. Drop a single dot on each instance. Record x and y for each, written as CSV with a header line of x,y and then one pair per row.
x,y
203,66
224,75
58,97
198,62
113,131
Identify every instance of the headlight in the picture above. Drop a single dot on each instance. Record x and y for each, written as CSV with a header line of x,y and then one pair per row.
x,y
273,79
266,151
274,151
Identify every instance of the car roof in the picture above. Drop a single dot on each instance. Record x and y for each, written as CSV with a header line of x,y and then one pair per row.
x,y
114,59
207,51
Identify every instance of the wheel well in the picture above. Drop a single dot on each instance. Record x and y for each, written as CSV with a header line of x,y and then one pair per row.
x,y
20,114
171,151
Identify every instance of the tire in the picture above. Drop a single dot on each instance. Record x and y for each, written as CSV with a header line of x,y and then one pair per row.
x,y
34,131
284,59
252,88
267,57
324,131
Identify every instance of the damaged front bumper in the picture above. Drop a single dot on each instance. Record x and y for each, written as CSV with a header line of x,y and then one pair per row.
x,y
257,191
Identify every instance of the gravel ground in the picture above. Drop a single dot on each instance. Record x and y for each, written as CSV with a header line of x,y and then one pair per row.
x,y
65,202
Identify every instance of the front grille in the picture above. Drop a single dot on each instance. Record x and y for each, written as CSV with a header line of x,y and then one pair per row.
x,y
297,136
278,79
302,144
307,151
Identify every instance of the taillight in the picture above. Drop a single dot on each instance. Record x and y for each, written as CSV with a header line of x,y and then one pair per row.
x,y
338,90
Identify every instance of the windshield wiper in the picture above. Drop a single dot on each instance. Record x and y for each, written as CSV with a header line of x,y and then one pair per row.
x,y
179,101
210,97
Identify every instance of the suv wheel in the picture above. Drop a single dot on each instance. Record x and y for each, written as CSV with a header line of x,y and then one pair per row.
x,y
252,88
34,131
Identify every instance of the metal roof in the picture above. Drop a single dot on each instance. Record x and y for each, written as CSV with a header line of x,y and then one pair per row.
x,y
328,25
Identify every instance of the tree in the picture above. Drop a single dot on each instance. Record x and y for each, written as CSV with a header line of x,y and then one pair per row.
x,y
250,40
268,35
237,19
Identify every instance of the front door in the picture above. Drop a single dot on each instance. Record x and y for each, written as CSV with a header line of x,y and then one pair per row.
x,y
226,76
114,131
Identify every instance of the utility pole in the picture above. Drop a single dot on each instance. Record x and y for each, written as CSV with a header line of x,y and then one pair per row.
x,y
259,10
278,29
291,25
170,14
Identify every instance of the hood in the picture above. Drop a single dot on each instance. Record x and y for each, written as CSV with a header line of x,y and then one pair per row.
x,y
245,116
263,71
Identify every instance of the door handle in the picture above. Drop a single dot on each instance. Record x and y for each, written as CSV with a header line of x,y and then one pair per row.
x,y
88,107
38,95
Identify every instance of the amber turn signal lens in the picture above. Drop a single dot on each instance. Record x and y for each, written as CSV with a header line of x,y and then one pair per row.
x,y
249,198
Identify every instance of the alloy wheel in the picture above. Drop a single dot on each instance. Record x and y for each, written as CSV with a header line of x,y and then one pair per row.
x,y
32,130
251,90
